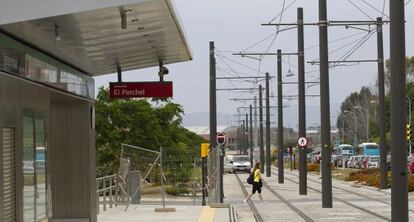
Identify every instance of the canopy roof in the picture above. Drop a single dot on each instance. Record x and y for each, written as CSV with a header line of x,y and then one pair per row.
x,y
96,40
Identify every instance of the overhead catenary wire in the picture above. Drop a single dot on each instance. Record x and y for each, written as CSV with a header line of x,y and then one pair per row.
x,y
277,16
360,9
356,47
336,40
376,9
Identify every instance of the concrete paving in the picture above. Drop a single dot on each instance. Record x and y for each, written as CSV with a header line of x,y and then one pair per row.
x,y
146,213
350,203
281,202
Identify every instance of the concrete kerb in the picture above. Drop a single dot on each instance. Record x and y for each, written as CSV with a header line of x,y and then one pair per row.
x,y
165,210
219,205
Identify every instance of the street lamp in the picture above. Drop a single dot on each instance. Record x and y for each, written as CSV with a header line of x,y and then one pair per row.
x,y
367,112
355,135
409,122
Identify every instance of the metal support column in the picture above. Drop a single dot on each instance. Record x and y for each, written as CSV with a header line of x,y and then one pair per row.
x,y
302,105
280,117
399,187
256,134
204,177
251,135
268,161
247,135
381,102
213,110
261,142
325,109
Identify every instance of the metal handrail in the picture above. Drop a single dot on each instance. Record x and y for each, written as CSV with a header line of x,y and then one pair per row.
x,y
107,193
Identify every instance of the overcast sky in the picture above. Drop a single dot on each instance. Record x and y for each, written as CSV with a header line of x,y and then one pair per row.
x,y
234,25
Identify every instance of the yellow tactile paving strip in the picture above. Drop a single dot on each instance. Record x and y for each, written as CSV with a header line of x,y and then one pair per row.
x,y
207,215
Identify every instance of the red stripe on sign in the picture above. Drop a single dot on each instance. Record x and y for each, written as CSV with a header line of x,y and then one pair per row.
x,y
141,90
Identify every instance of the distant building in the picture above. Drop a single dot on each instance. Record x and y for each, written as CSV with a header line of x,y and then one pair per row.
x,y
204,131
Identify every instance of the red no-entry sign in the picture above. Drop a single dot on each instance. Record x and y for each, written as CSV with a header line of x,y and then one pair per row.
x,y
221,138
122,90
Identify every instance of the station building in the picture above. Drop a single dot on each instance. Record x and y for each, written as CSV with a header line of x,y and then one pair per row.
x,y
50,50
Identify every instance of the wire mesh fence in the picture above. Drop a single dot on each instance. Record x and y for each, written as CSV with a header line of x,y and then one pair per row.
x,y
177,180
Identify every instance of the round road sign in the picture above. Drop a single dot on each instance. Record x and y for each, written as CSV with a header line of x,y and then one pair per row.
x,y
302,141
221,138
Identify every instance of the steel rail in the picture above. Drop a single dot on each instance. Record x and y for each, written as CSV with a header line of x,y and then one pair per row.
x,y
345,202
289,204
252,206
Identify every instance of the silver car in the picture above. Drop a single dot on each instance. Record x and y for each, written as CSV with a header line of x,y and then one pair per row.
x,y
228,166
373,162
241,163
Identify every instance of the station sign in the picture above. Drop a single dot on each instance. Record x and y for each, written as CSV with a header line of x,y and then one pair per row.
x,y
124,90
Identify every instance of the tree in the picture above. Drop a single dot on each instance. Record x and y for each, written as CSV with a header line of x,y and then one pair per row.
x,y
356,111
138,122
409,64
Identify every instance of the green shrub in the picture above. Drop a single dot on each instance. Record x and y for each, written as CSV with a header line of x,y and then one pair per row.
x,y
313,167
177,191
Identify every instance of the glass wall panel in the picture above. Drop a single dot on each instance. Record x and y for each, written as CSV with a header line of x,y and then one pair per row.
x,y
18,59
40,169
28,169
34,169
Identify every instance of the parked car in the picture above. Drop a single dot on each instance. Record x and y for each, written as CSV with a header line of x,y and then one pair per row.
x,y
241,163
410,164
343,161
335,159
351,161
228,166
373,162
357,163
364,162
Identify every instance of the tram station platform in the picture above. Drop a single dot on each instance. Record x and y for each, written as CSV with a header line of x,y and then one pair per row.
x,y
282,202
147,213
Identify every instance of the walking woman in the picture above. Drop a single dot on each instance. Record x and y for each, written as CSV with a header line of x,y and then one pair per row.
x,y
257,182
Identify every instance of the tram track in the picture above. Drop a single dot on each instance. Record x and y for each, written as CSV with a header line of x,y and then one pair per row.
x,y
350,191
288,203
341,200
251,204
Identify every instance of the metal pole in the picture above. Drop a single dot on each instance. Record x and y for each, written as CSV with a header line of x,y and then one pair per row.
x,y
381,102
256,138
242,137
399,187
302,105
213,108
409,122
162,180
247,135
251,136
268,162
280,117
203,175
119,71
261,142
325,112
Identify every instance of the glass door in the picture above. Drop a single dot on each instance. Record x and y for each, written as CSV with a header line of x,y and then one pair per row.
x,y
34,168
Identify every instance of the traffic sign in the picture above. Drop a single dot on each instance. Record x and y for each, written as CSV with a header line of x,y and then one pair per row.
x,y
302,141
221,138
